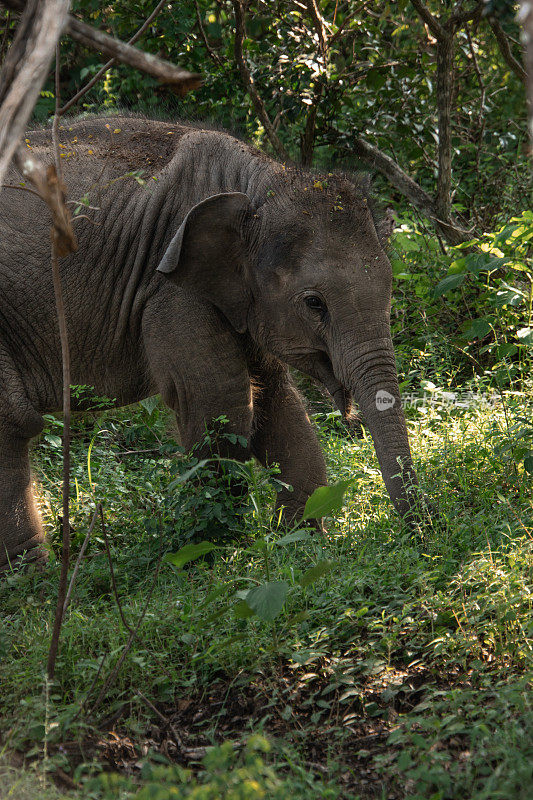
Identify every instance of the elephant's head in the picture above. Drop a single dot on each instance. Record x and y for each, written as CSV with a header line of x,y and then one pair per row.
x,y
305,273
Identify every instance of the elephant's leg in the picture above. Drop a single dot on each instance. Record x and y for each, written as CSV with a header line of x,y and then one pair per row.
x,y
284,434
20,526
199,368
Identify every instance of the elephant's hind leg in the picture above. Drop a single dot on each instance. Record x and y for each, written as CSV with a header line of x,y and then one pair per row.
x,y
21,531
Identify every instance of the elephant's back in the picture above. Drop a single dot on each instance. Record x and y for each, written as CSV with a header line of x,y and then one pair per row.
x,y
109,148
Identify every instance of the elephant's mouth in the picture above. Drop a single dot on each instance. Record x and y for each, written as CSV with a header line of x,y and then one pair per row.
x,y
321,368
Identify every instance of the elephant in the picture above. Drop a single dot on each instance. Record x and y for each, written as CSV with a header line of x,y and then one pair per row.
x,y
205,271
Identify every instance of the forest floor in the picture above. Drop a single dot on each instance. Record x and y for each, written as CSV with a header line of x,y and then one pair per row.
x,y
399,665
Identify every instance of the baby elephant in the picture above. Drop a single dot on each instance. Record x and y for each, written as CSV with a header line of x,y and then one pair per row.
x,y
204,269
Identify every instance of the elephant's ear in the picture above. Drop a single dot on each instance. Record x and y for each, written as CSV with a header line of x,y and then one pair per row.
x,y
208,253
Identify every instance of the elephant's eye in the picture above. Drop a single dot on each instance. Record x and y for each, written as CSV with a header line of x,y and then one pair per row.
x,y
316,303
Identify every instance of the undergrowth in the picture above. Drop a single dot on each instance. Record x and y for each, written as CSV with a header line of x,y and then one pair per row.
x,y
420,638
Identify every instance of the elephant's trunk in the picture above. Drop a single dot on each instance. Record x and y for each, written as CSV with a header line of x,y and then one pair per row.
x,y
369,372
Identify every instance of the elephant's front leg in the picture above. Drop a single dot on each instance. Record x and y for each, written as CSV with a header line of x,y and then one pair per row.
x,y
284,435
199,367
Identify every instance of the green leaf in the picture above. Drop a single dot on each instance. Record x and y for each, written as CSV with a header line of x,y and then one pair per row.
x,y
295,536
220,591
449,283
184,477
242,610
316,572
375,79
528,464
326,499
267,600
150,404
478,329
525,335
189,553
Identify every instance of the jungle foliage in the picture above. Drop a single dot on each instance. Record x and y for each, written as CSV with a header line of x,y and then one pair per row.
x,y
377,661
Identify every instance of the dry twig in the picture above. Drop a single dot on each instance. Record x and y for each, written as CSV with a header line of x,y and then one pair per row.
x,y
25,69
79,560
114,672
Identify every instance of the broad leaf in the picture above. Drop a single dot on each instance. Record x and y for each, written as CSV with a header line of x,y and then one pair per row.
x,y
184,477
447,284
296,536
150,404
525,335
242,610
326,499
478,329
316,572
189,553
267,600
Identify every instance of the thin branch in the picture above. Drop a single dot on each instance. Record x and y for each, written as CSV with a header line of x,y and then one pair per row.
x,y
432,22
55,121
79,560
146,62
320,25
505,49
90,689
308,139
102,71
114,672
525,16
177,738
111,569
52,191
459,17
25,71
65,550
94,39
212,55
450,229
249,83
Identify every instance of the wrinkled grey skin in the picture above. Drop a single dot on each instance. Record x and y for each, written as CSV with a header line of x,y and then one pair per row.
x,y
241,243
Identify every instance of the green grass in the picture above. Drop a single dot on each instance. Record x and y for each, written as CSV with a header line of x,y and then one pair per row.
x,y
402,672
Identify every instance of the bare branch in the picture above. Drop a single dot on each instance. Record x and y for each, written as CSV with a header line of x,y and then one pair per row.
x,y
101,72
376,159
164,71
460,16
249,83
26,70
214,56
79,560
308,139
114,672
111,569
505,49
526,18
320,25
432,22
52,191
65,550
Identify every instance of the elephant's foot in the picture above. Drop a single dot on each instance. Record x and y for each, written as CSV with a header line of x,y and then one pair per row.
x,y
28,552
21,533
